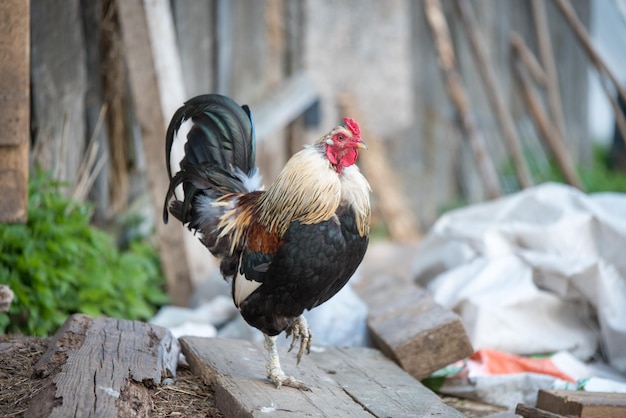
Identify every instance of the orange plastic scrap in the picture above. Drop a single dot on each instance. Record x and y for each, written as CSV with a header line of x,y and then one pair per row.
x,y
492,362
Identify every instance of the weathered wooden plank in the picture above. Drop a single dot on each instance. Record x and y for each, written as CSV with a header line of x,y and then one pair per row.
x,y
97,367
14,182
378,384
172,94
526,411
144,86
236,370
14,72
582,404
406,324
14,109
58,87
196,44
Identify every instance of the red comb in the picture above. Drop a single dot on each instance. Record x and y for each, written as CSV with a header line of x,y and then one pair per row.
x,y
353,126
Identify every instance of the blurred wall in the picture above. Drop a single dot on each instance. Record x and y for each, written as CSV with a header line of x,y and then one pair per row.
x,y
379,52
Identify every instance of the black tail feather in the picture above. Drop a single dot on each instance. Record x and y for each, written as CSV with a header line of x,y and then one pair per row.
x,y
220,142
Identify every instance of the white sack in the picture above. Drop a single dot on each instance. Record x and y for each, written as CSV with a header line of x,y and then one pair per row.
x,y
543,270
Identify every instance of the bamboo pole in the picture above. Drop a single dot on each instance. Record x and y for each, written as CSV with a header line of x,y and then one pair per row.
x,y
547,59
547,130
457,94
528,58
585,40
493,94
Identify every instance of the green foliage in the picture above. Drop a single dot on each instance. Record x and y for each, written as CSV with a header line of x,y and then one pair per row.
x,y
436,380
58,264
596,178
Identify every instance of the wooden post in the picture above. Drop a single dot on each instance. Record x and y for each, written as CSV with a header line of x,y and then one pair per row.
x,y
458,96
150,114
505,120
14,109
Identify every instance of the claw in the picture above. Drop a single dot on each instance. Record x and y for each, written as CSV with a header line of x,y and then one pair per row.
x,y
278,377
274,371
301,331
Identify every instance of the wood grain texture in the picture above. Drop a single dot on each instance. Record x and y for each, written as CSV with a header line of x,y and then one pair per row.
x,y
144,86
344,382
99,367
407,325
14,109
582,404
379,385
236,370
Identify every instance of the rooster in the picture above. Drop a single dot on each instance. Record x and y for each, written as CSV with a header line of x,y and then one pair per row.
x,y
286,249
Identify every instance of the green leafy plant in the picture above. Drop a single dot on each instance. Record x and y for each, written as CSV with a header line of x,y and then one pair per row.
x,y
58,264
597,177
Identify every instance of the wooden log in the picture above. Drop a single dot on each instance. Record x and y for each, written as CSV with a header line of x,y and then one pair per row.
x,y
378,384
98,367
14,109
345,382
582,404
458,96
236,371
494,96
417,333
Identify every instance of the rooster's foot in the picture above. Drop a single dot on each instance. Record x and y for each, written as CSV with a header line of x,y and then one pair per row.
x,y
278,377
301,331
274,371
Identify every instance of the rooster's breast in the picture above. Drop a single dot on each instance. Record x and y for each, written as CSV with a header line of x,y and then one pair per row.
x,y
313,263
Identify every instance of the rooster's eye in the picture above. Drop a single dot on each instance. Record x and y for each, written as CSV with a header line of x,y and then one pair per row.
x,y
341,137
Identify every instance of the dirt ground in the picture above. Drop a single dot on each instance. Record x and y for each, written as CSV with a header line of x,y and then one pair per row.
x,y
187,396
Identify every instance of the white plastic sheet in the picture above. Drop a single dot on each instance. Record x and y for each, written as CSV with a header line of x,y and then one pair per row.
x,y
540,271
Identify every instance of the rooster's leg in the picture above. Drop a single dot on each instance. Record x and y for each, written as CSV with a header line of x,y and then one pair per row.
x,y
274,371
300,330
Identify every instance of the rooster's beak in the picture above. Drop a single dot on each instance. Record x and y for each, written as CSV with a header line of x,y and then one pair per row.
x,y
361,144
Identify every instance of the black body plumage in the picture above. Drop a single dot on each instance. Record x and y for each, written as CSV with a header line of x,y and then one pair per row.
x,y
311,266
